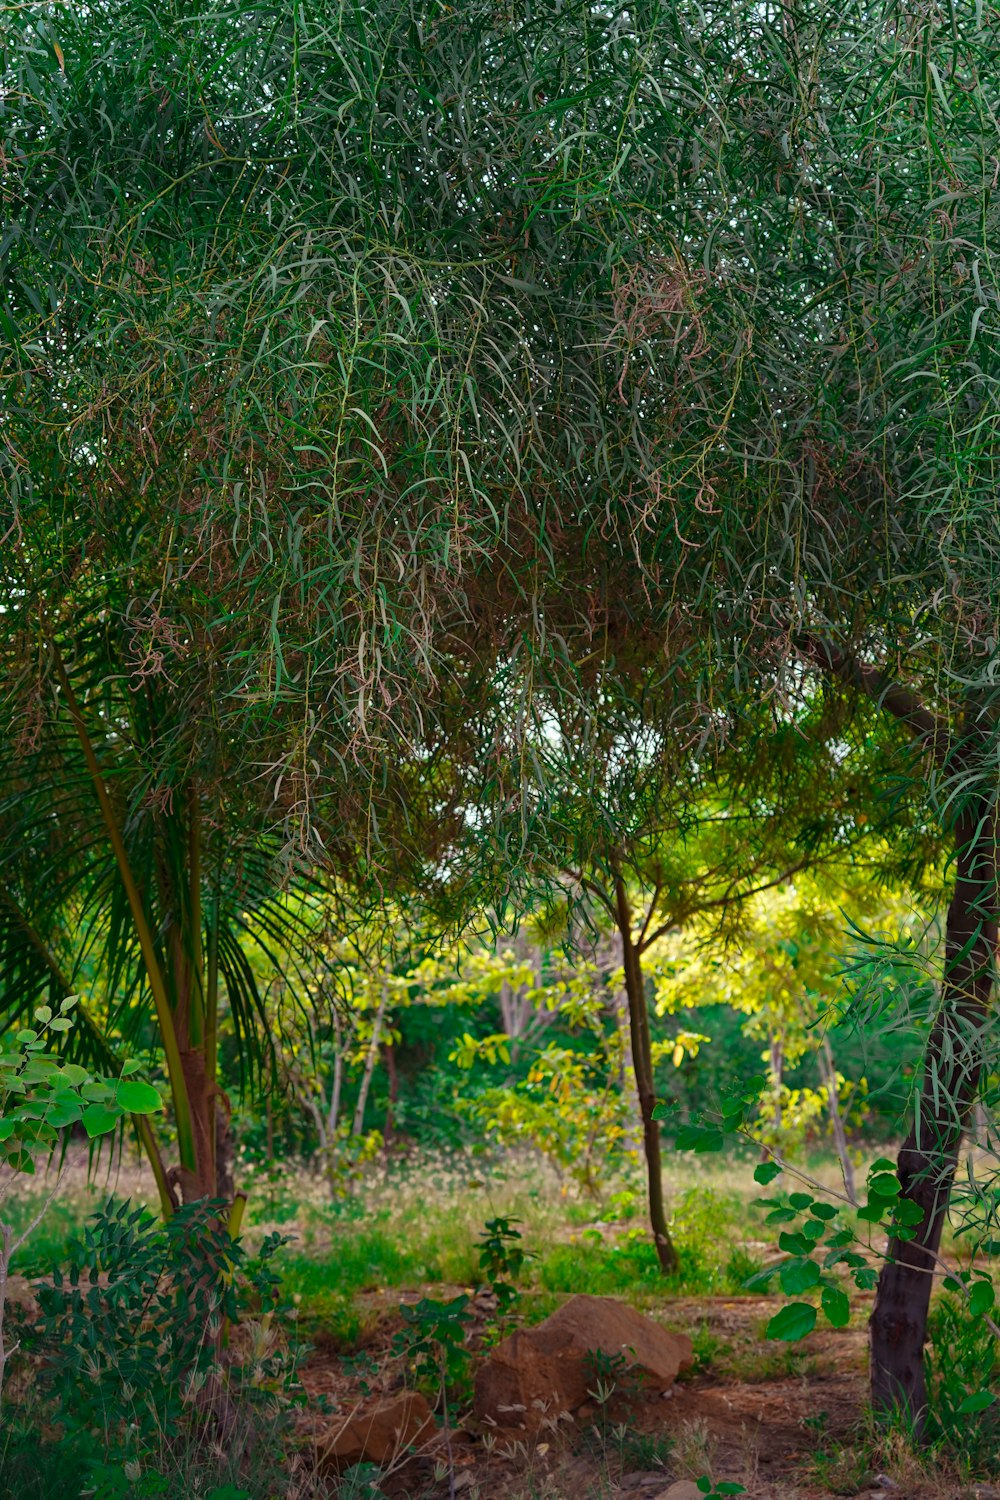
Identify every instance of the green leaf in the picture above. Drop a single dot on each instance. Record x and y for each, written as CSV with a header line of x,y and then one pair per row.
x,y
138,1098
68,1004
793,1322
905,1212
60,1024
800,1200
73,1074
39,1070
43,1013
63,1111
884,1185
98,1119
798,1276
761,1279
825,1211
978,1401
836,1306
766,1172
131,1065
981,1298
21,1161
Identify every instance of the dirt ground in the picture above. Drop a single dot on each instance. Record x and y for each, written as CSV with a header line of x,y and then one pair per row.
x,y
784,1423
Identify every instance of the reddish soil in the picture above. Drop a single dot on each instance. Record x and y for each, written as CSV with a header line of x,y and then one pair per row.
x,y
785,1423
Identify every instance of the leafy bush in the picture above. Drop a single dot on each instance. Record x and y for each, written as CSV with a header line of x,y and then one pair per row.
x,y
961,1360
136,1333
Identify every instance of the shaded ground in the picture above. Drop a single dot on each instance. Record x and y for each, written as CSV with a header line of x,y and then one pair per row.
x,y
783,1422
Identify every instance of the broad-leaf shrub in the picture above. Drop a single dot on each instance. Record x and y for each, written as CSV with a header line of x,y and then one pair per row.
x,y
40,1095
133,1331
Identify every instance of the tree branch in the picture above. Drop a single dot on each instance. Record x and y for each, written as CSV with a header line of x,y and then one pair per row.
x,y
731,895
899,700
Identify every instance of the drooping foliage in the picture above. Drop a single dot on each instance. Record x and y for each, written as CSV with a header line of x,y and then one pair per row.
x,y
368,372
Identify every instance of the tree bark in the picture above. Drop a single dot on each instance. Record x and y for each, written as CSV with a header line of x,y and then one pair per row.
x,y
370,1060
642,1062
954,1054
927,1161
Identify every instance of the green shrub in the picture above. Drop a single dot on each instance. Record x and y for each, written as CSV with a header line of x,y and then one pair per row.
x,y
133,1334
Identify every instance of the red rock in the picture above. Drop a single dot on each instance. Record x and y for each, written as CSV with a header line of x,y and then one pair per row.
x,y
376,1433
543,1371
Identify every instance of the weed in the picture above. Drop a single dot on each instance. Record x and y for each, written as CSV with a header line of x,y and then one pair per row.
x,y
738,1269
360,1482
842,1471
694,1448
718,1489
961,1363
136,1327
502,1258
705,1346
643,1450
433,1344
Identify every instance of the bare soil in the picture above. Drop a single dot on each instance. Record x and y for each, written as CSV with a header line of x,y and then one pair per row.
x,y
786,1423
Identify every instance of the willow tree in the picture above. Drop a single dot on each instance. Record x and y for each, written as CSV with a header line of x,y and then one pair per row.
x,y
308,412
812,366
355,356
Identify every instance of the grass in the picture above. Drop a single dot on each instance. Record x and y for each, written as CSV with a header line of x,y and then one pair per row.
x,y
425,1223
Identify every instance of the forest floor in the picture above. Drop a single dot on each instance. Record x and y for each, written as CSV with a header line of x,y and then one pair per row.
x,y
786,1424
785,1421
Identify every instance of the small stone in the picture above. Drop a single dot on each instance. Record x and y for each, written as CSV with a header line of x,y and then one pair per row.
x,y
377,1433
684,1489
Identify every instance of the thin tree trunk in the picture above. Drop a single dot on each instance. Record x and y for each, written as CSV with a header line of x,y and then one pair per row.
x,y
927,1161
6,1246
777,1054
370,1059
389,1054
837,1121
338,1076
643,1065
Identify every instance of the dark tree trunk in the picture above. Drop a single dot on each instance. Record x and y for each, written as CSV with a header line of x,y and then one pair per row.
x,y
929,1156
225,1186
642,1062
